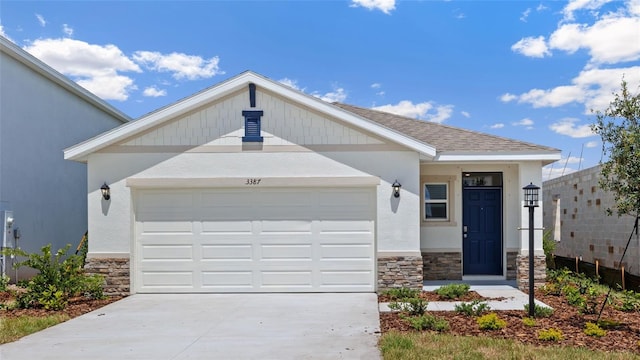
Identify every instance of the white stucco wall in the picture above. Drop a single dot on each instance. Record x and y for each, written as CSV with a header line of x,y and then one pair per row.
x,y
531,172
438,237
38,119
111,222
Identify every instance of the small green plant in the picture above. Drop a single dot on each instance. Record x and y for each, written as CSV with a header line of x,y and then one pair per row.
x,y
4,282
52,298
539,311
92,287
453,291
412,306
594,330
609,324
550,334
629,301
474,308
491,321
401,293
529,321
428,322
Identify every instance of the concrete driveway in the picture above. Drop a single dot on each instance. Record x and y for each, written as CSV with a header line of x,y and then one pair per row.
x,y
214,326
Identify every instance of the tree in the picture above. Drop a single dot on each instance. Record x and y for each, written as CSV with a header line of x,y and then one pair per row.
x,y
619,129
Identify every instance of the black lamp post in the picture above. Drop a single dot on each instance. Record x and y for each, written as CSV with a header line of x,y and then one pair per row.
x,y
531,202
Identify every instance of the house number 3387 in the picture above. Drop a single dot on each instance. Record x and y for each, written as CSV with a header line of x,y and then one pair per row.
x,y
252,182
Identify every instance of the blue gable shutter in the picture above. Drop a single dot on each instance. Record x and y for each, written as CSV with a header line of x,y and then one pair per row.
x,y
252,126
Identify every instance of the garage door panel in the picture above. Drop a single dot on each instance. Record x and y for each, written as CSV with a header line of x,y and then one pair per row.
x,y
345,251
227,227
287,279
345,278
227,252
255,240
237,280
286,252
286,226
167,252
167,279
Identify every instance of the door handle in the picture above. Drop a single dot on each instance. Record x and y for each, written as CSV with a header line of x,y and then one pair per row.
x,y
464,229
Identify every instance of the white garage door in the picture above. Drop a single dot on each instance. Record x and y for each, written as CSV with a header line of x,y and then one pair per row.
x,y
254,240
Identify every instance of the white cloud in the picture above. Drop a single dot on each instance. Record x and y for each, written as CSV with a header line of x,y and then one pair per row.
x,y
609,41
508,97
575,5
497,126
541,7
525,15
376,85
94,67
337,95
153,91
41,20
465,114
424,111
592,87
67,30
182,66
571,160
532,47
592,144
386,6
569,127
524,122
290,83
3,33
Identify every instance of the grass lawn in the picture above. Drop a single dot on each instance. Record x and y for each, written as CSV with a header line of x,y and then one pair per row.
x,y
425,345
12,329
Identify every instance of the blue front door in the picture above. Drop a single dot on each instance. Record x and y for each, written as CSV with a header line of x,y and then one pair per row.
x,y
482,231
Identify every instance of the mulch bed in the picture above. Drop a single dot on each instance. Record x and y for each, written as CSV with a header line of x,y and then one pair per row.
x,y
566,318
76,307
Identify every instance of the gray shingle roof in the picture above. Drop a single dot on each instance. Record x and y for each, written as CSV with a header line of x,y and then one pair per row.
x,y
443,137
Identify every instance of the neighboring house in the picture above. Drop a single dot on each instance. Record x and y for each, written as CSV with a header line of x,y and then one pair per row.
x,y
41,113
252,186
575,216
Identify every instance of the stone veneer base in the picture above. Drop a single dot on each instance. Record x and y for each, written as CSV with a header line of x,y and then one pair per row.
x,y
115,271
400,271
512,265
442,265
539,271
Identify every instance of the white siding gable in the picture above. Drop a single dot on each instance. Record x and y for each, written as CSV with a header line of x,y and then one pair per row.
x,y
283,123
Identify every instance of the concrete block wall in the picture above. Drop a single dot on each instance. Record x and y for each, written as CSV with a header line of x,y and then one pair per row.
x,y
585,229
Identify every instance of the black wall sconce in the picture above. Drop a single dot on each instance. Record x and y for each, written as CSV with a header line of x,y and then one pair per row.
x,y
396,188
106,191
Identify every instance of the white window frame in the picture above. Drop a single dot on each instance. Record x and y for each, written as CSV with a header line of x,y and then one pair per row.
x,y
436,201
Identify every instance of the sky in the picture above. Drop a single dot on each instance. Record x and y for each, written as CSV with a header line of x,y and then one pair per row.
x,y
528,70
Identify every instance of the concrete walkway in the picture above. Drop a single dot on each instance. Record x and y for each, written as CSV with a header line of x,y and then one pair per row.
x,y
213,326
511,298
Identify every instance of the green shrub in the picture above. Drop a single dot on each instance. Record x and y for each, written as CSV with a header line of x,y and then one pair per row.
x,y
412,306
52,298
453,291
629,301
59,278
529,321
92,287
609,324
548,246
4,282
539,311
401,293
550,335
474,308
592,329
428,322
491,321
